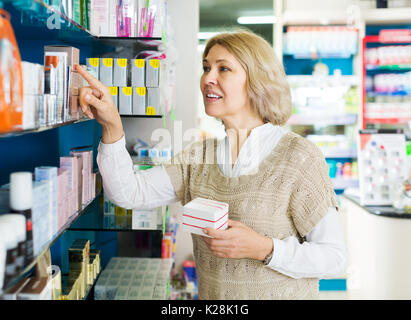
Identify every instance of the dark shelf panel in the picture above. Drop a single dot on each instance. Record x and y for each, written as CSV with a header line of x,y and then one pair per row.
x,y
139,116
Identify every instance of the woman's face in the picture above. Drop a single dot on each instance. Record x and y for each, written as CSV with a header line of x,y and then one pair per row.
x,y
223,84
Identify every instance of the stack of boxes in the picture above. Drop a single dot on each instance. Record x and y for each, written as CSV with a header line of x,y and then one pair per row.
x,y
134,279
134,83
58,194
79,254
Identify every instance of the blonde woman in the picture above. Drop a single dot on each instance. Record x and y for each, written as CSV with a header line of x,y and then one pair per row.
x,y
283,233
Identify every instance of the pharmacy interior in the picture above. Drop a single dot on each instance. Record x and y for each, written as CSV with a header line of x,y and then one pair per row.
x,y
348,64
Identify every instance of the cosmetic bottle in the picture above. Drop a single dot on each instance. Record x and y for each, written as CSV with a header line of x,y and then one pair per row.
x,y
21,190
17,223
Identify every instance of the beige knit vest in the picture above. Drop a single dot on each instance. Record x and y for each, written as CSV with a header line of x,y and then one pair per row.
x,y
287,196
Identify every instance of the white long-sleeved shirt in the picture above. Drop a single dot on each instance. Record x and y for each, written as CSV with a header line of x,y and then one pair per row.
x,y
322,255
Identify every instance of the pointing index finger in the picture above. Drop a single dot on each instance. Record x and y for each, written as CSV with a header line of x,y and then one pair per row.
x,y
89,78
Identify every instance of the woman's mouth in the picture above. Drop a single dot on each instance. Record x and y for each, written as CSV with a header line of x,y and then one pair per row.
x,y
211,97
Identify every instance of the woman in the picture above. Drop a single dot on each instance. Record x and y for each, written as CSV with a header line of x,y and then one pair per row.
x,y
283,233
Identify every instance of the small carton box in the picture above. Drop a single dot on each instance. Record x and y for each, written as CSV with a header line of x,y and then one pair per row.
x,y
153,101
152,73
114,94
125,100
137,73
201,213
139,100
106,71
93,66
120,73
37,288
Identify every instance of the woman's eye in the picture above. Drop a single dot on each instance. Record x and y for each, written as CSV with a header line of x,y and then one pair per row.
x,y
224,69
206,69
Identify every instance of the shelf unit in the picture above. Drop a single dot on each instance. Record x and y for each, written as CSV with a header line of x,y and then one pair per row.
x,y
394,118
23,150
48,244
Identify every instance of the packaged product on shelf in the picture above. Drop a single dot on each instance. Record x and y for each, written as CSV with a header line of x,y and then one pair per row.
x,y
153,101
144,219
120,72
114,94
86,157
54,274
74,104
137,73
152,69
71,164
37,288
9,241
200,213
40,215
17,223
93,67
32,90
47,173
112,18
150,18
12,293
106,71
125,18
21,201
59,61
125,100
381,165
139,101
99,17
79,253
62,197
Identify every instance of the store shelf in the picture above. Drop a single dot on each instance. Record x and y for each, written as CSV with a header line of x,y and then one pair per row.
x,y
139,116
48,244
339,153
392,67
341,183
31,25
98,221
40,129
324,119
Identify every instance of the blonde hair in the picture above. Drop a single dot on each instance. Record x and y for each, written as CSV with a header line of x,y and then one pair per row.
x,y
267,85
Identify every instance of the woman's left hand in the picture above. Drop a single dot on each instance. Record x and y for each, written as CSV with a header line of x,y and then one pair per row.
x,y
238,241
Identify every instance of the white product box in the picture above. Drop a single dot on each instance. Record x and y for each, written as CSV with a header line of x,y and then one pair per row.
x,y
137,72
152,73
144,219
153,101
125,100
106,71
99,17
120,73
114,94
139,100
93,66
381,165
201,213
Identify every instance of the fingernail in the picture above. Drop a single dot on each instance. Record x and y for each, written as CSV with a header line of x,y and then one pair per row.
x,y
87,97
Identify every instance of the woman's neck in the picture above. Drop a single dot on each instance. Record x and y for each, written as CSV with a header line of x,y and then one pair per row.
x,y
238,132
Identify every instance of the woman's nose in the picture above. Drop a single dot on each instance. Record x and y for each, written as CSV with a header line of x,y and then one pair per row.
x,y
210,77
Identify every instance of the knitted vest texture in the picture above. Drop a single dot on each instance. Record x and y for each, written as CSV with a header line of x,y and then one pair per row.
x,y
287,196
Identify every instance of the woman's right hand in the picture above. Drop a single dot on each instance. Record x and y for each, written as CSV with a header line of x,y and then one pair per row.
x,y
96,102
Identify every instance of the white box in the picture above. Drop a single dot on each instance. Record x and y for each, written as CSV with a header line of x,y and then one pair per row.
x,y
152,73
120,72
137,72
201,213
139,100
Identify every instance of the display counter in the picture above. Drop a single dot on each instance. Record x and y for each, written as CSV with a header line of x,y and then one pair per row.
x,y
379,254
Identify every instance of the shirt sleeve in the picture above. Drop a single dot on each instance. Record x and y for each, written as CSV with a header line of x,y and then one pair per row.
x,y
322,256
146,189
313,193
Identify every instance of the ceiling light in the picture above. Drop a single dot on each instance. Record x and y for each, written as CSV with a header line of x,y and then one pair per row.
x,y
206,35
257,20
